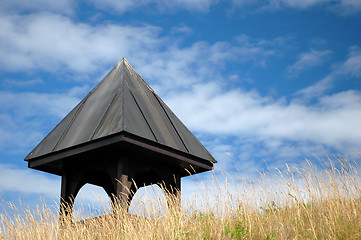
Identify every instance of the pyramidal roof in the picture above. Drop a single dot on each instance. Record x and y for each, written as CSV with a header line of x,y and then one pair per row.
x,y
121,103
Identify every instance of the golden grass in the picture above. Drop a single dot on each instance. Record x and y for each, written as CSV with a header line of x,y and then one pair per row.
x,y
305,203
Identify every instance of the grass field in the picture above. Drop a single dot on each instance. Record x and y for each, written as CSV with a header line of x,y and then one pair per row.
x,y
307,203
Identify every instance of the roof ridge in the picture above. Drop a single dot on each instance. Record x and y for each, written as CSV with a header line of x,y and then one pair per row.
x,y
128,65
109,105
140,109
171,122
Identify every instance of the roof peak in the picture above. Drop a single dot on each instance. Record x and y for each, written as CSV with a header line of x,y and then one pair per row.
x,y
125,62
122,60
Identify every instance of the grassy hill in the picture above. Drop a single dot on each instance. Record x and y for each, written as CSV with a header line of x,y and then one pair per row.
x,y
306,203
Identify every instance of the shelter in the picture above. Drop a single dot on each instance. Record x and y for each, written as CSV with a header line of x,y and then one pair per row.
x,y
120,136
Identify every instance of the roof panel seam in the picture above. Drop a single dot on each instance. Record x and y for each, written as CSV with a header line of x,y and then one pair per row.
x,y
171,122
132,70
101,82
123,108
71,122
192,135
104,116
140,109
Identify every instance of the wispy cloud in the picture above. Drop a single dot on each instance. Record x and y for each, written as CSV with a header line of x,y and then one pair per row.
x,y
347,7
20,83
14,179
16,6
308,60
317,89
161,5
182,29
302,4
236,113
118,6
27,104
342,7
351,67
24,116
52,43
181,67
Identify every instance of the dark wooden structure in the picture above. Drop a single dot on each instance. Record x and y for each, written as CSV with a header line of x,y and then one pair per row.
x,y
120,136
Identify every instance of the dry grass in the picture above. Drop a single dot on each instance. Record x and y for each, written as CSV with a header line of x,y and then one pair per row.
x,y
302,203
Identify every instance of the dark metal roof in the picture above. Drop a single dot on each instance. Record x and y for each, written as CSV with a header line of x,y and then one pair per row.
x,y
121,103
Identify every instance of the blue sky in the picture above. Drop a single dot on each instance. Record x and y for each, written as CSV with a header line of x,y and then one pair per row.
x,y
256,81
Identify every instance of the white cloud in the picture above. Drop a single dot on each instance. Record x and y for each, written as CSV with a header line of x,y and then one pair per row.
x,y
14,179
351,67
55,43
122,6
308,60
180,68
247,114
347,7
317,89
